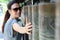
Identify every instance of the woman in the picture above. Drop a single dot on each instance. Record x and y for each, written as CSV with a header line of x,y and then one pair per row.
x,y
11,27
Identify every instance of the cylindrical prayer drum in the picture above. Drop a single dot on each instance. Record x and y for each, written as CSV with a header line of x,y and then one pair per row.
x,y
42,17
47,21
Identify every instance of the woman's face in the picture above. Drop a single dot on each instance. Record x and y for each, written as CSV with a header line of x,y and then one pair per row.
x,y
15,10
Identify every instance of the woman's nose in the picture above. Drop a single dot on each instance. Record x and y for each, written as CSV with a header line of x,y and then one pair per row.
x,y
18,11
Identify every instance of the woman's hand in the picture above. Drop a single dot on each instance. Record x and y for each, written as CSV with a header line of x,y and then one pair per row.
x,y
28,27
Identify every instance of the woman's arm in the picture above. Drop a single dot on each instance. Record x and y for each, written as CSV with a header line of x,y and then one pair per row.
x,y
22,30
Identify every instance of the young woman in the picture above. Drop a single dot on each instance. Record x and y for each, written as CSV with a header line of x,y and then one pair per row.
x,y
11,27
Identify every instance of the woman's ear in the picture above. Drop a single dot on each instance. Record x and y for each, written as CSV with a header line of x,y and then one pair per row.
x,y
9,11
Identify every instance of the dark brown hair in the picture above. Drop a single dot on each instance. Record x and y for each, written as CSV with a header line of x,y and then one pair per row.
x,y
7,15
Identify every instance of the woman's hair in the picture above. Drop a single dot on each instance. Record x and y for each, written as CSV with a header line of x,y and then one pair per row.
x,y
7,15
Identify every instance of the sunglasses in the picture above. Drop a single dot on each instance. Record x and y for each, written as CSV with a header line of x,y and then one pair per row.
x,y
16,9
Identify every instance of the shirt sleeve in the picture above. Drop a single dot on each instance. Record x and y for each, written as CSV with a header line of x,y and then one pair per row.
x,y
12,33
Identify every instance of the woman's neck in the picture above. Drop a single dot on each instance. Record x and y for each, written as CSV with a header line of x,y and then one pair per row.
x,y
12,17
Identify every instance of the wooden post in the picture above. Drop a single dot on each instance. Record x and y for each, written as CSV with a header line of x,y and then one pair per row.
x,y
57,20
35,15
30,18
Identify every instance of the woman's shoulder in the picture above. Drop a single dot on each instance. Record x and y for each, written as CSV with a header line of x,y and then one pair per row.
x,y
10,21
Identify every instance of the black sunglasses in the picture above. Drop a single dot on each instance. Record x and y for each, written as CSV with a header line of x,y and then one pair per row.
x,y
16,9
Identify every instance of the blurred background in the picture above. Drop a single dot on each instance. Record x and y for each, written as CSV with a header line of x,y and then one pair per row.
x,y
44,15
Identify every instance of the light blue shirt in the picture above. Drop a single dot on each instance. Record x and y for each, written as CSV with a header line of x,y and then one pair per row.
x,y
8,30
